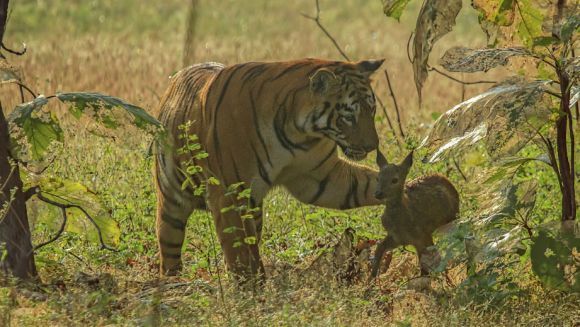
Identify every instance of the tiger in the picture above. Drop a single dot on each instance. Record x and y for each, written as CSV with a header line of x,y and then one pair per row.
x,y
263,125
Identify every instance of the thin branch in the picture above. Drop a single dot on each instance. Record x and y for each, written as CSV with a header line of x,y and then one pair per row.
x,y
456,164
389,121
411,60
458,80
552,93
394,102
15,52
58,234
30,192
22,86
316,19
66,206
21,94
577,102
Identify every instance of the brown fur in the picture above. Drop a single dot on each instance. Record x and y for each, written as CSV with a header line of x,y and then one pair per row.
x,y
264,124
414,210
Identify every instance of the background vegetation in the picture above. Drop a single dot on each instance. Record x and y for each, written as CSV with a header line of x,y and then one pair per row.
x,y
128,49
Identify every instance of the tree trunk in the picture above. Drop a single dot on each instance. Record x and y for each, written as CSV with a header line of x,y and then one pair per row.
x,y
16,254
188,46
14,228
565,160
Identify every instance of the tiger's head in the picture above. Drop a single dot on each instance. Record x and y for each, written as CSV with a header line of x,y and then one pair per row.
x,y
344,106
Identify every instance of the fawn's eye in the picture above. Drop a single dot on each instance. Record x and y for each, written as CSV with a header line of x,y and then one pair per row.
x,y
395,180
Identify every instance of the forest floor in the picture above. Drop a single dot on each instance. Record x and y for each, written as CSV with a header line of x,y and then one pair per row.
x,y
128,49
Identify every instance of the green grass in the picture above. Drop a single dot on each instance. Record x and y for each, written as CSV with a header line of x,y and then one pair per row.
x,y
127,49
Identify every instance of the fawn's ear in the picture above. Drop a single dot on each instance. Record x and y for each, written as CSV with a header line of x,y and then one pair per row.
x,y
408,161
381,160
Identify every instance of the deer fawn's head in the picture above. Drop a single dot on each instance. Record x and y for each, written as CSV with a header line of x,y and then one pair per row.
x,y
392,176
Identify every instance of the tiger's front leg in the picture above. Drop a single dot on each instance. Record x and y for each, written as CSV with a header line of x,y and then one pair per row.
x,y
337,184
239,237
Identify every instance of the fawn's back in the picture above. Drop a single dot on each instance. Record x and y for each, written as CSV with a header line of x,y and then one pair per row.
x,y
427,203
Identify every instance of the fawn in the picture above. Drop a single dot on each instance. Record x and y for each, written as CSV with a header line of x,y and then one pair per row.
x,y
414,210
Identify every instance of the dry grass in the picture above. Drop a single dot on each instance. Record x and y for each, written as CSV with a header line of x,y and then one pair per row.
x,y
128,49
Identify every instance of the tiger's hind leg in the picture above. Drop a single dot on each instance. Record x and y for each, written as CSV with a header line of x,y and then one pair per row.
x,y
174,206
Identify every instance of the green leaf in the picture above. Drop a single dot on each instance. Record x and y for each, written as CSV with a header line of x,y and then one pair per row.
x,y
499,12
436,18
34,129
553,259
569,27
68,192
394,8
250,240
529,28
100,107
460,59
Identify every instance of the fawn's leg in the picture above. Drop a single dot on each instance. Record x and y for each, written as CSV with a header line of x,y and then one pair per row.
x,y
428,257
386,245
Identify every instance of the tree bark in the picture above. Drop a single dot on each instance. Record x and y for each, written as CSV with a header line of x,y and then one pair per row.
x,y
188,45
16,255
565,160
14,229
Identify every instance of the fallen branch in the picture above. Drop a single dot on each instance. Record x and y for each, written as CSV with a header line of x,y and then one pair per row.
x,y
67,206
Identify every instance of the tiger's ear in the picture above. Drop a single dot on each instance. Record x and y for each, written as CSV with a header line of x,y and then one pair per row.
x,y
381,160
368,67
322,81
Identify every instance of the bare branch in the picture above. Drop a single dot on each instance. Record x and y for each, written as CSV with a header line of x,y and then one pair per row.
x,y
394,102
15,52
411,60
458,80
66,206
389,122
22,86
58,234
316,19
456,164
30,192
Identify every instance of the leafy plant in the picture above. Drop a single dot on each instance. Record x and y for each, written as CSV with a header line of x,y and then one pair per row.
x,y
523,115
28,135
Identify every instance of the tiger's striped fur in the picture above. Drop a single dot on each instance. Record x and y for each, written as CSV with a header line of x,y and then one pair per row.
x,y
266,125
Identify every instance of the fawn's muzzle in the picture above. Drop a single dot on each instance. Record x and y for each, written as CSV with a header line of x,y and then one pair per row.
x,y
379,195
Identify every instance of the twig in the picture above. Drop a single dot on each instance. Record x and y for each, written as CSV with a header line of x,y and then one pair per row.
x,y
553,94
15,52
58,234
316,19
30,192
411,60
458,80
23,86
394,102
66,206
389,121
459,169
